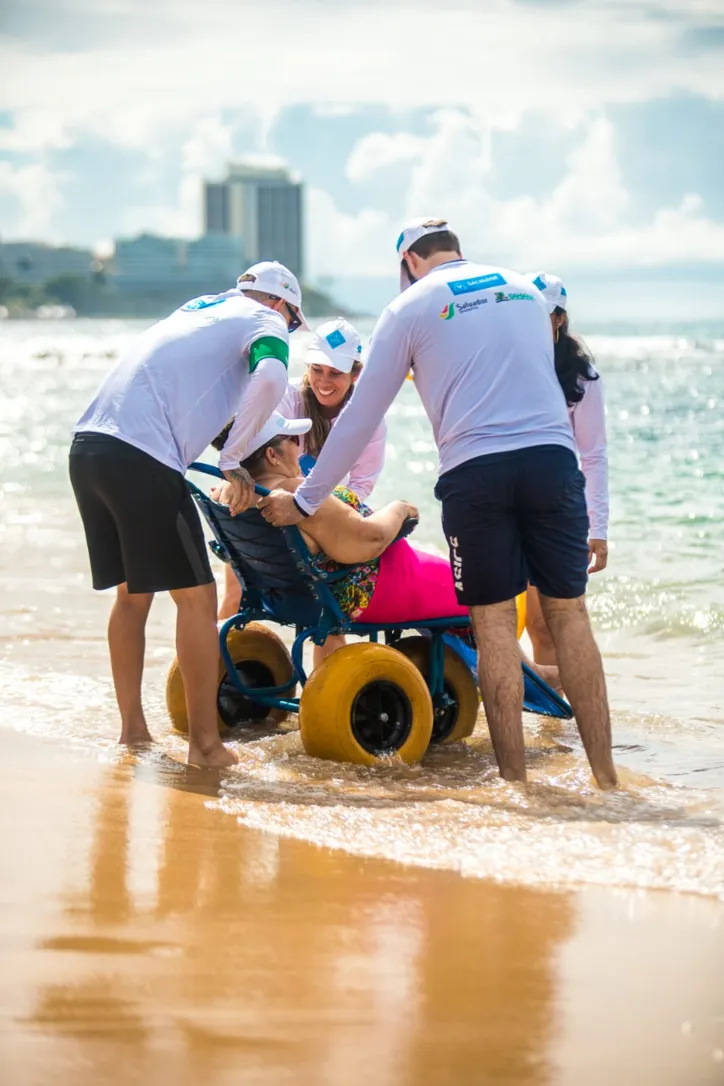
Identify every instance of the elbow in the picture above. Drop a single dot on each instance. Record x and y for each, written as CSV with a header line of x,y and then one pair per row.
x,y
376,541
272,374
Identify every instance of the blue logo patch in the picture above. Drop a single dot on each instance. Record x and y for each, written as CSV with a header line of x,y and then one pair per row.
x,y
540,282
564,292
335,339
482,282
202,303
399,241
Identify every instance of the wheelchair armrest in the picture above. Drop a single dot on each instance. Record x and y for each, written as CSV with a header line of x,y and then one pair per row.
x,y
408,526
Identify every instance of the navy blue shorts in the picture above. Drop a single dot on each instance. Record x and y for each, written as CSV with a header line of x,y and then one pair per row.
x,y
515,516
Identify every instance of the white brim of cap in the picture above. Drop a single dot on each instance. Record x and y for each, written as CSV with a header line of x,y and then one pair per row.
x,y
303,319
277,428
294,427
341,362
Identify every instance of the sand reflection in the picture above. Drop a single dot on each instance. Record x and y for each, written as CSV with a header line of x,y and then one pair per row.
x,y
264,959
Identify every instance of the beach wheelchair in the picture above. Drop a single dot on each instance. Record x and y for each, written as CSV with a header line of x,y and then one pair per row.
x,y
368,700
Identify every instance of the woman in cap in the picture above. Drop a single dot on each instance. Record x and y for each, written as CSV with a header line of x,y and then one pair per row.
x,y
583,389
334,362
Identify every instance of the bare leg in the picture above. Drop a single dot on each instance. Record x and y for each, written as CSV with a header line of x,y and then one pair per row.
x,y
197,648
501,684
321,652
127,645
232,594
544,651
583,681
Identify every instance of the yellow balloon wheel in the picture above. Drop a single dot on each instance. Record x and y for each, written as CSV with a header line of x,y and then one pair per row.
x,y
458,720
365,702
263,660
521,609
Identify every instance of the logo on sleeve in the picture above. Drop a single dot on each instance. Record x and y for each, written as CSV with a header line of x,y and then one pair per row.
x,y
448,312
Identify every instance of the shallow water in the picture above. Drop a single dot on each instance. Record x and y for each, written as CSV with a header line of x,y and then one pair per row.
x,y
659,613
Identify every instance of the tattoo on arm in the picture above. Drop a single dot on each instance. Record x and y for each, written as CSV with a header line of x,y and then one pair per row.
x,y
238,475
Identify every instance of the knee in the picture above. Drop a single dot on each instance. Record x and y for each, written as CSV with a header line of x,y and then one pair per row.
x,y
133,603
199,600
558,613
537,628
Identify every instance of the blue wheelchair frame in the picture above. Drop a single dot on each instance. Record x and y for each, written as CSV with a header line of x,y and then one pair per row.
x,y
281,585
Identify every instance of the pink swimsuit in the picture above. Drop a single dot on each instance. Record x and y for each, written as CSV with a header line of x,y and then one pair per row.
x,y
412,585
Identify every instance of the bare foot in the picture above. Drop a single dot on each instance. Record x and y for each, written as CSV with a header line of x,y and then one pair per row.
x,y
607,780
550,674
135,736
218,756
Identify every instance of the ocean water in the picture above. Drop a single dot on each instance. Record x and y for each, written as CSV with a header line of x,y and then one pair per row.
x,y
658,611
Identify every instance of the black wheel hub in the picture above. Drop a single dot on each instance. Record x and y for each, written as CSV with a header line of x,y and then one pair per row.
x,y
444,715
234,708
381,717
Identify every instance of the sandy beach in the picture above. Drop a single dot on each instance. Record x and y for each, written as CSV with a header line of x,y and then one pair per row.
x,y
149,938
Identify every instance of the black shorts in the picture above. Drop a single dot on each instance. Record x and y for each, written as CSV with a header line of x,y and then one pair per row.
x,y
141,525
509,517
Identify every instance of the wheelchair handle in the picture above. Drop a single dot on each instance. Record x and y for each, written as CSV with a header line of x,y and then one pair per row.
x,y
217,473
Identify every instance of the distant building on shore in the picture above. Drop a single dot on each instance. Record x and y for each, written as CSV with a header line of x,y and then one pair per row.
x,y
263,208
33,262
150,262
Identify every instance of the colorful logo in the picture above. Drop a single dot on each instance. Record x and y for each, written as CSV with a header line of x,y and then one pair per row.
x,y
519,297
448,312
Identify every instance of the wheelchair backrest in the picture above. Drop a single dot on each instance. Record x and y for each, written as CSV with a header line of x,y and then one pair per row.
x,y
273,564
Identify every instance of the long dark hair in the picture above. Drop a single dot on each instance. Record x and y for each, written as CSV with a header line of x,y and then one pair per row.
x,y
321,425
573,362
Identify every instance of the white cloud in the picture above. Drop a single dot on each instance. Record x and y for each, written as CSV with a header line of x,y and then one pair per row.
x,y
582,221
341,244
379,149
32,130
37,194
208,147
502,58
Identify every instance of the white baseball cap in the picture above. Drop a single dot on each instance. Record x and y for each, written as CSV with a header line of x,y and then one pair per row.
x,y
271,277
551,288
411,232
274,427
336,343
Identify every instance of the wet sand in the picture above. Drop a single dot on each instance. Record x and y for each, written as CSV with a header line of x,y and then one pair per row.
x,y
147,937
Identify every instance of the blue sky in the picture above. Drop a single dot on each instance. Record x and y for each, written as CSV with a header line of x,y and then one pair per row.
x,y
580,136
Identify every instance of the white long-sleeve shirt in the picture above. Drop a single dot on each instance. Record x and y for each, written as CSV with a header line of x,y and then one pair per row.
x,y
480,345
182,380
588,419
366,469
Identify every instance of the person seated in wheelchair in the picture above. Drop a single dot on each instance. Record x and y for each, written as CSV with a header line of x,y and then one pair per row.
x,y
389,580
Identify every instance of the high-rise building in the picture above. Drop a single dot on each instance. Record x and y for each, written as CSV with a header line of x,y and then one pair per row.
x,y
263,208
